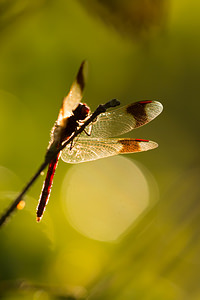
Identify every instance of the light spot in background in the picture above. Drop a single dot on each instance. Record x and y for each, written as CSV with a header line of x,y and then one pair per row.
x,y
21,205
26,214
104,198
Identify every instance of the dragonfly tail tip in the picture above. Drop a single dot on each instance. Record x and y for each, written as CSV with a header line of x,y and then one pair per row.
x,y
38,219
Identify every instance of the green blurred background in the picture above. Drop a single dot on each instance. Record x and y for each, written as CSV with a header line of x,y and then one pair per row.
x,y
142,240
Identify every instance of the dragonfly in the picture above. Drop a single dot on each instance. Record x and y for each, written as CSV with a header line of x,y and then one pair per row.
x,y
98,139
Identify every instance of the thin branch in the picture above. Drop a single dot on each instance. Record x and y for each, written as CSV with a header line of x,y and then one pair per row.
x,y
100,109
13,206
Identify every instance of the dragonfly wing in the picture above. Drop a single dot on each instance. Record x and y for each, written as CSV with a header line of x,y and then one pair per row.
x,y
125,119
72,100
86,149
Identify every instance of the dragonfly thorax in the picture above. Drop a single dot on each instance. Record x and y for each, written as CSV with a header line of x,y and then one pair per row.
x,y
73,122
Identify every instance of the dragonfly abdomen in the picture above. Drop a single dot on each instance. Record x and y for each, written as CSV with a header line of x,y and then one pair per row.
x,y
46,189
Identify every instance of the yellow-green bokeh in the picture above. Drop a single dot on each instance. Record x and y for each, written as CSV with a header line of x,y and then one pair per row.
x,y
103,199
136,50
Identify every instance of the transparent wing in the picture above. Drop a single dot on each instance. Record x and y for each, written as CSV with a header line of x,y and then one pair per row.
x,y
72,100
125,119
86,149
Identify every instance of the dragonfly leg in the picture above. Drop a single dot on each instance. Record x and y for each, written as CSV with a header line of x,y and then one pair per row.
x,y
87,133
71,145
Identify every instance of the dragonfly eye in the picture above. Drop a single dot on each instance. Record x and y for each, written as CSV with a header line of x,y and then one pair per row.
x,y
81,112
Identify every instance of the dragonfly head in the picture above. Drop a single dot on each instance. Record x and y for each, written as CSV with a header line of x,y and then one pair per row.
x,y
81,112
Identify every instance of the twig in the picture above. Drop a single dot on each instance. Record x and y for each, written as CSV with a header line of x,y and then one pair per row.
x,y
100,109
